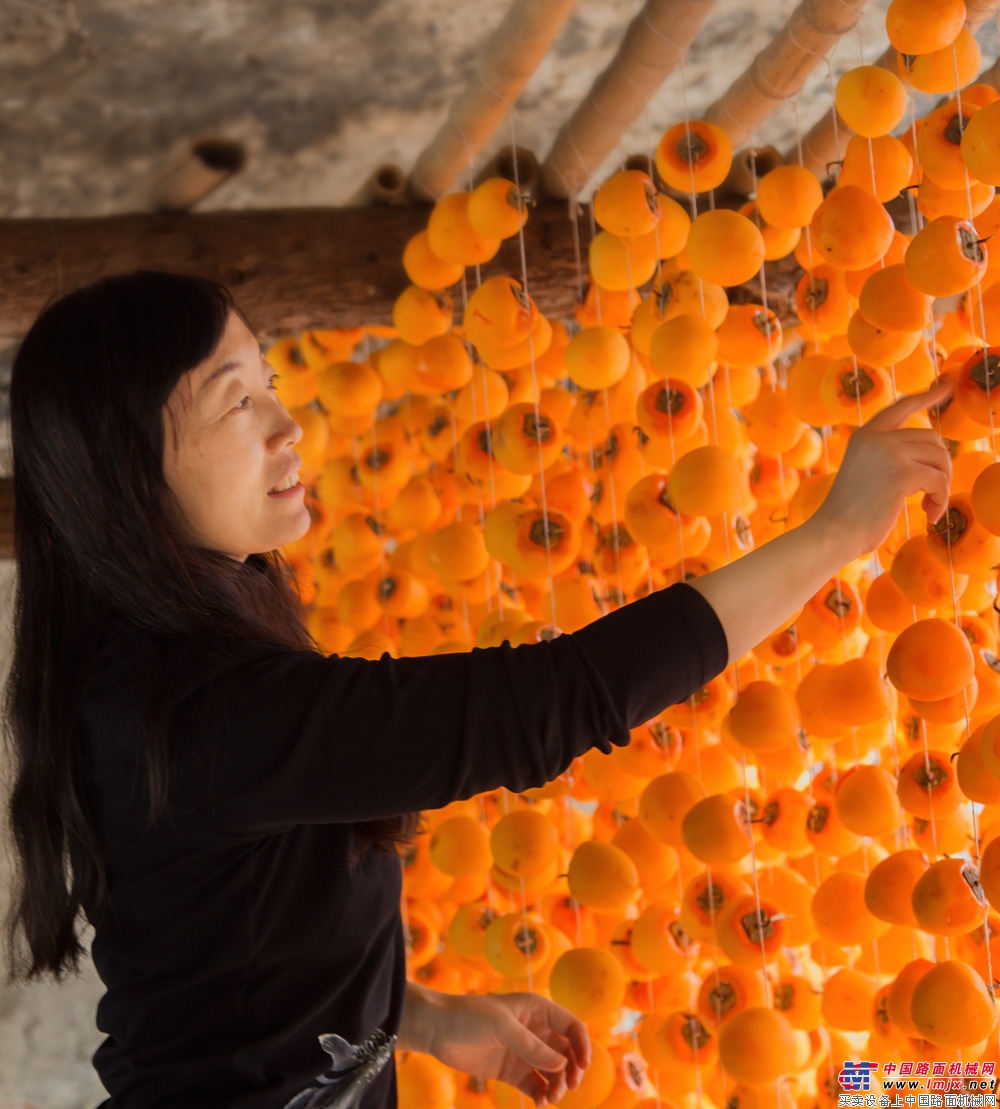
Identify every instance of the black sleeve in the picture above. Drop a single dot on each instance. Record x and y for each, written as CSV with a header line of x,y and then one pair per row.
x,y
294,737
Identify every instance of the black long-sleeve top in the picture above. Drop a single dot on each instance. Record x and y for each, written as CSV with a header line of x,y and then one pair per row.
x,y
238,929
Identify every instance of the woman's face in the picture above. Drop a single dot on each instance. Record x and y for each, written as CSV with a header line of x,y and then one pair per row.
x,y
229,452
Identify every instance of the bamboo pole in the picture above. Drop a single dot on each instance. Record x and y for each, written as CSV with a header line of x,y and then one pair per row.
x,y
209,163
749,165
827,139
781,68
645,162
502,164
653,45
978,12
385,185
509,59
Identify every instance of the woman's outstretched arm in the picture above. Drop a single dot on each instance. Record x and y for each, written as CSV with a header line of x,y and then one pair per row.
x,y
884,463
298,738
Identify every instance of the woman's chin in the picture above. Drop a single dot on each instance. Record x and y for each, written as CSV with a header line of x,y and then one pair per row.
x,y
289,530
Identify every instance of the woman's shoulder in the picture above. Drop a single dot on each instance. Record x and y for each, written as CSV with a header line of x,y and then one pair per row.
x,y
125,657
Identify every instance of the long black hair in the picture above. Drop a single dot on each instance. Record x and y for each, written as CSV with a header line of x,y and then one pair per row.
x,y
99,548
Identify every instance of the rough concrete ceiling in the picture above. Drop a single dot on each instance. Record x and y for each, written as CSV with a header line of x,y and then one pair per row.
x,y
100,96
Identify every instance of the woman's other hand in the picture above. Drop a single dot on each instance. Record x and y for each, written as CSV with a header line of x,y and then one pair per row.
x,y
522,1039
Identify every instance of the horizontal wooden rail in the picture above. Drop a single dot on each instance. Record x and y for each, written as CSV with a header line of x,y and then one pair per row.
x,y
288,268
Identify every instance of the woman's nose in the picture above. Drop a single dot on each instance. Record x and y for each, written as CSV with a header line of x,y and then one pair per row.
x,y
287,432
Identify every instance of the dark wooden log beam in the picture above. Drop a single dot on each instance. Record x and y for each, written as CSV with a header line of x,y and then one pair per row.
x,y
288,268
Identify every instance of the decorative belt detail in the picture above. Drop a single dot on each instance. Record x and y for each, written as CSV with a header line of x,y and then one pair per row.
x,y
352,1069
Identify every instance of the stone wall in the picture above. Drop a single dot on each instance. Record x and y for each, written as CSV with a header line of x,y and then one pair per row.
x,y
47,1031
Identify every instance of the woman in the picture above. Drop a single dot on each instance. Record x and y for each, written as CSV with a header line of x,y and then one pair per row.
x,y
219,800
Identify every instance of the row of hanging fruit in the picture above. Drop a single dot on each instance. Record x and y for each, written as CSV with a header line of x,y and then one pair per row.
x,y
800,866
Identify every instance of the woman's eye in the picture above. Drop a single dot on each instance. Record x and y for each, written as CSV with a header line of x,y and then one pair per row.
x,y
246,403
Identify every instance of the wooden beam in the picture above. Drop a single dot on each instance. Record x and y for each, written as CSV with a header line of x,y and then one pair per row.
x,y
288,268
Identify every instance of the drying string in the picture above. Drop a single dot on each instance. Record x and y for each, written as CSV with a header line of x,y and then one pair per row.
x,y
534,390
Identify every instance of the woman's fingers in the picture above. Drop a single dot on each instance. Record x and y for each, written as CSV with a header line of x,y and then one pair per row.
x,y
543,1087
902,450
933,455
553,1029
896,414
878,471
533,1085
926,468
930,454
573,1071
556,1086
934,482
529,1047
926,476
574,1068
563,1021
918,435
541,1013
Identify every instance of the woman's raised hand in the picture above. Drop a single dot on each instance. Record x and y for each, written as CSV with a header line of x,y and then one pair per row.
x,y
884,463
